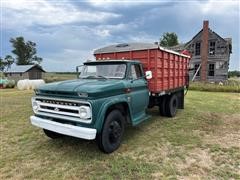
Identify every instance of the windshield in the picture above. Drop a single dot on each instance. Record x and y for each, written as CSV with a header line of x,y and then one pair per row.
x,y
112,71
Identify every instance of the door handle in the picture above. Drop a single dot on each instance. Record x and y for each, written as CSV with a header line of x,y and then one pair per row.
x,y
128,90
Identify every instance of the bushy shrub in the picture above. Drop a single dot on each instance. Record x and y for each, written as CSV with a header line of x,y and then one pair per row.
x,y
9,84
2,75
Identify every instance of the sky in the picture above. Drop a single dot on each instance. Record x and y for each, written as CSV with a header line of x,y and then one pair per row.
x,y
67,32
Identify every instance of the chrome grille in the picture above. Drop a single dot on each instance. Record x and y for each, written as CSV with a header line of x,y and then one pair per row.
x,y
66,103
61,108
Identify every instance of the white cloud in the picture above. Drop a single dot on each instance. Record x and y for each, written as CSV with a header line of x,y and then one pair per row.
x,y
106,4
102,32
214,7
28,13
63,48
112,3
66,33
66,60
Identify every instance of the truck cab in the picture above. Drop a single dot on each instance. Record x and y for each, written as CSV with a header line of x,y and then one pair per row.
x,y
105,97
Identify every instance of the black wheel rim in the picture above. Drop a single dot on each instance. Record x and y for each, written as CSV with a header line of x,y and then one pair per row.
x,y
115,131
174,105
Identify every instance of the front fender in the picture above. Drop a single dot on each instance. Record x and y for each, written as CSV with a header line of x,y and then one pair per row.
x,y
103,110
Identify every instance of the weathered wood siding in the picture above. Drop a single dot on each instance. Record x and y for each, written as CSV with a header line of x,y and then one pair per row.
x,y
17,76
220,58
35,73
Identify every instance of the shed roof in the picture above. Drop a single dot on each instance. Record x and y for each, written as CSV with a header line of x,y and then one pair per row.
x,y
22,68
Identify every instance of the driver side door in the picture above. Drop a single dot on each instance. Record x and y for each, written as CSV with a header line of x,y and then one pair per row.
x,y
139,92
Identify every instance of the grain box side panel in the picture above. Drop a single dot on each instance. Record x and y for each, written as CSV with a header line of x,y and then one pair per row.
x,y
175,81
148,59
169,70
105,56
159,66
165,70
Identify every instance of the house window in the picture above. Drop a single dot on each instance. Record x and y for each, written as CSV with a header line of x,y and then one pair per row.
x,y
212,48
196,66
211,70
197,48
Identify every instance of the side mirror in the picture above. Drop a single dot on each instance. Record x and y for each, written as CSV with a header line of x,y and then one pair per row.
x,y
148,74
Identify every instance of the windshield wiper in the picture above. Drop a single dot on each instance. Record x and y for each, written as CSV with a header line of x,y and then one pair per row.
x,y
99,76
89,77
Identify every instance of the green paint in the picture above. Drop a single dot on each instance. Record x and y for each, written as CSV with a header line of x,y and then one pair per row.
x,y
104,93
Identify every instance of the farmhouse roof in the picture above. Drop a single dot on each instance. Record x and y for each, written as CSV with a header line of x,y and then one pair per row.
x,y
22,68
183,46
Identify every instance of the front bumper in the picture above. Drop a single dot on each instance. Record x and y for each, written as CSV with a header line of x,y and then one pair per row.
x,y
66,129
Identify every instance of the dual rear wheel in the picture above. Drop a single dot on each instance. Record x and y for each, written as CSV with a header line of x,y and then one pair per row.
x,y
169,105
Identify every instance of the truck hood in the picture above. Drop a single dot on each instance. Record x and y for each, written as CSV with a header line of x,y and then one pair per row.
x,y
93,87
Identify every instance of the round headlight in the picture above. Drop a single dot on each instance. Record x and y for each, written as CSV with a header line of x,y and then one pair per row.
x,y
83,112
35,105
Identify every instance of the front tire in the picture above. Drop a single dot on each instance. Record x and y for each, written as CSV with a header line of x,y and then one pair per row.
x,y
113,129
51,134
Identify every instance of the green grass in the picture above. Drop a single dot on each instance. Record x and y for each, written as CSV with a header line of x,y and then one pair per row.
x,y
231,85
202,141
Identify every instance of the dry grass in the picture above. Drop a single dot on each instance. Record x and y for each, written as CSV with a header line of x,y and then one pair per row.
x,y
52,77
201,142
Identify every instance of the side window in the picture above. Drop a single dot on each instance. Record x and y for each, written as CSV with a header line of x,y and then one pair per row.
x,y
136,71
197,49
133,72
212,48
211,70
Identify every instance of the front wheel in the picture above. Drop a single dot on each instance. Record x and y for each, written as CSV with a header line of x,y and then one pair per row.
x,y
111,136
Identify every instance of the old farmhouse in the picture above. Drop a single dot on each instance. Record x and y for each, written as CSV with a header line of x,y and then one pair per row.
x,y
210,55
18,72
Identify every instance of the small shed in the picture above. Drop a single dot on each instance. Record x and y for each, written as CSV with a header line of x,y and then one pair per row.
x,y
18,72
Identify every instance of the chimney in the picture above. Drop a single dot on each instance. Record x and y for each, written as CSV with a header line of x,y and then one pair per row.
x,y
204,51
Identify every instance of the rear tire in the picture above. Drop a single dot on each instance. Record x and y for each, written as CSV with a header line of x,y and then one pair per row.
x,y
112,132
51,134
162,106
172,105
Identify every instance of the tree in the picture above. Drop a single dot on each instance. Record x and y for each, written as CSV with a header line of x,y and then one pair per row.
x,y
6,62
169,39
25,51
234,74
